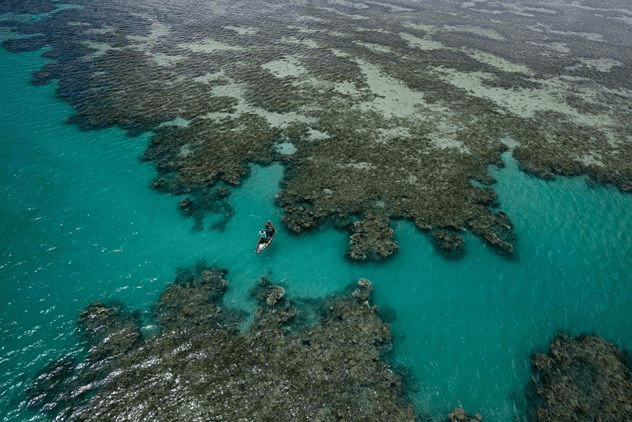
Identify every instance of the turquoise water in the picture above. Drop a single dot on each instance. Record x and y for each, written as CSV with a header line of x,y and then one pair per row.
x,y
78,222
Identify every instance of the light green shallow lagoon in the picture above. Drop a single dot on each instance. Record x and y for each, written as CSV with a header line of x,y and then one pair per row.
x,y
78,222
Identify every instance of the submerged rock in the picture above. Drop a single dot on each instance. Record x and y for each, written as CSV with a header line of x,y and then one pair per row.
x,y
581,379
364,290
459,415
200,367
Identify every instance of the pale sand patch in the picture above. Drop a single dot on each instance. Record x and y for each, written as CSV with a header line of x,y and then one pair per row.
x,y
541,10
590,160
349,4
304,30
621,92
392,97
558,47
420,27
391,7
283,120
522,102
166,60
425,44
625,20
339,53
385,135
178,122
476,30
591,36
286,148
286,66
243,31
211,77
237,91
346,88
312,82
185,151
209,46
358,166
158,30
379,30
376,48
304,42
317,135
497,62
346,15
600,65
444,136
100,49
105,29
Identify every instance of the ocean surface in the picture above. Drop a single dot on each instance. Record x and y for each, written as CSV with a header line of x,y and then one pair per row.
x,y
79,222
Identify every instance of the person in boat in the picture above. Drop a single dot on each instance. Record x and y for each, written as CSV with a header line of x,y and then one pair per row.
x,y
269,229
267,232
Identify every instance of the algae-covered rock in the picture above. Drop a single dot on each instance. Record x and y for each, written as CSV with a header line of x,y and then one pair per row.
x,y
583,378
200,367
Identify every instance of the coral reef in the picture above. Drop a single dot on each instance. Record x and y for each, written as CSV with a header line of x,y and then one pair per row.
x,y
375,115
581,379
201,367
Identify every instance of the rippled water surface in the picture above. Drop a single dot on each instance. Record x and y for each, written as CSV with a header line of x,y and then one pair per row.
x,y
78,222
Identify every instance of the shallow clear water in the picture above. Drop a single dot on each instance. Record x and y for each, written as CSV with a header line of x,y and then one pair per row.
x,y
78,222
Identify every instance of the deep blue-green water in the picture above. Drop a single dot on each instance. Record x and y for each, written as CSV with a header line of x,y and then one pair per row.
x,y
78,222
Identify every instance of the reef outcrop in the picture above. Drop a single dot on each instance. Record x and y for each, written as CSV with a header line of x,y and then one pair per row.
x,y
458,414
372,239
325,364
580,379
448,243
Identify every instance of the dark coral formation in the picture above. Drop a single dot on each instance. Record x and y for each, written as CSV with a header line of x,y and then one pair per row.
x,y
200,367
581,379
388,110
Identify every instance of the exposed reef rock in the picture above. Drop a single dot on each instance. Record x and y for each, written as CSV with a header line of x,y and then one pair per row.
x,y
459,415
372,239
200,367
390,114
448,244
581,379
497,231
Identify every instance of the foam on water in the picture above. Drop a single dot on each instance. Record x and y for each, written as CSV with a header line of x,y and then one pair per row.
x,y
79,223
